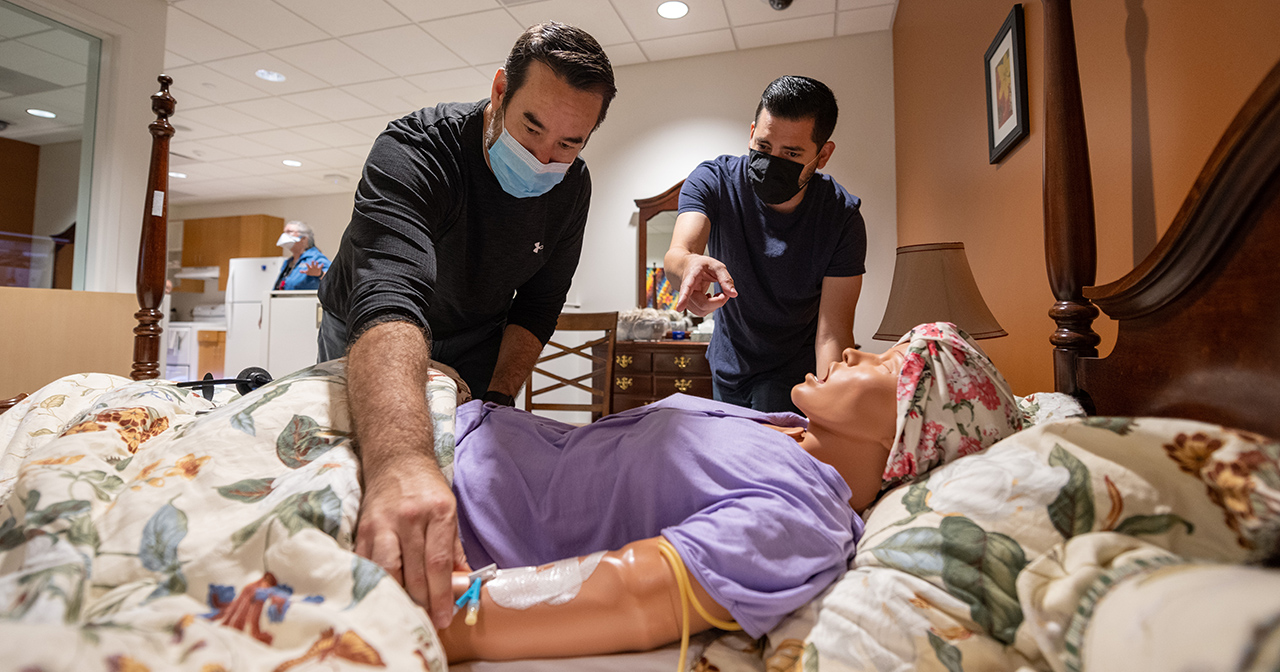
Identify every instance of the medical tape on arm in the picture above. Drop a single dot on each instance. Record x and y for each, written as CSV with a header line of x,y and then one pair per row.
x,y
552,584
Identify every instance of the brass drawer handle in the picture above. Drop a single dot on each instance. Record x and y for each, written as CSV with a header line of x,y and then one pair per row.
x,y
623,360
683,362
683,384
623,382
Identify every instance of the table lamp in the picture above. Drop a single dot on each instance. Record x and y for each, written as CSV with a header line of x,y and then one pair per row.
x,y
933,283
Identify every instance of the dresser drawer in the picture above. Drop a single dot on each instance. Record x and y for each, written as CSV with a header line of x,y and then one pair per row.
x,y
688,362
626,402
626,363
698,386
632,384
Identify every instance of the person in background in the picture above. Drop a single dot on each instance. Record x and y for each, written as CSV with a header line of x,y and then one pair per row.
x,y
785,242
466,231
308,264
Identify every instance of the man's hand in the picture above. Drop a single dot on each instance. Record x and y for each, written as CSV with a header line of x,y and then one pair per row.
x,y
699,272
409,527
408,519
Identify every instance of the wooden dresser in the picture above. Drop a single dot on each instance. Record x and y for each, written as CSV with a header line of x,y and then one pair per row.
x,y
646,371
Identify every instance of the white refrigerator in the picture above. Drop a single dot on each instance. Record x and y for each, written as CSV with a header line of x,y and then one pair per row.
x,y
249,281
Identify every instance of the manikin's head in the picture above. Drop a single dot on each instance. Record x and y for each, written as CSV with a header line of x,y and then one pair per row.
x,y
552,92
931,398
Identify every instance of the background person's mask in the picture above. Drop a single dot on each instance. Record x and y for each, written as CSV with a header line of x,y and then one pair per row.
x,y
519,172
287,241
774,179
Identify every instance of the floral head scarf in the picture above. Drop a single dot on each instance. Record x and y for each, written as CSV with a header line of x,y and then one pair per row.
x,y
951,402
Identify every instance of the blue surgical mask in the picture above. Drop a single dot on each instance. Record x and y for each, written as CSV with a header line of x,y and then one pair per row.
x,y
519,172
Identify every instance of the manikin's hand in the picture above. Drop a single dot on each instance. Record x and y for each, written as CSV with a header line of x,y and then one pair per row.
x,y
409,527
699,272
314,269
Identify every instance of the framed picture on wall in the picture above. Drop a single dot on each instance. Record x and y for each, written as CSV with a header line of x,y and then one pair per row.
x,y
1006,63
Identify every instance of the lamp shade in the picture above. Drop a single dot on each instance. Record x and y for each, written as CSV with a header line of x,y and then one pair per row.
x,y
933,283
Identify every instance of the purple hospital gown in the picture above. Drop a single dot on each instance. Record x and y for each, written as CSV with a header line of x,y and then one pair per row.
x,y
761,524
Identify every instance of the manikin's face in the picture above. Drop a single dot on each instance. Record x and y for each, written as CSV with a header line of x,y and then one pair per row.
x,y
858,393
548,116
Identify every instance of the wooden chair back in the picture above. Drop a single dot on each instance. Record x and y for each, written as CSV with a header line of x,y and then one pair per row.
x,y
599,351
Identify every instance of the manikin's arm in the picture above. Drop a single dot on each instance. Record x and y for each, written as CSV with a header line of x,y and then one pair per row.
x,y
695,271
631,602
835,320
516,357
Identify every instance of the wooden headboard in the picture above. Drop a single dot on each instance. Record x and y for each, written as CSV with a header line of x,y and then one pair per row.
x,y
1199,329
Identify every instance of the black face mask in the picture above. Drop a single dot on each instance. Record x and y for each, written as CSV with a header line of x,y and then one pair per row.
x,y
774,179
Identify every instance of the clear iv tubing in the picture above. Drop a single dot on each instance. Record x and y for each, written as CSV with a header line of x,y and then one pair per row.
x,y
687,595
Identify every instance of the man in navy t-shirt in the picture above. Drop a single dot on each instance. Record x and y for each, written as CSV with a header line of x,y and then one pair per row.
x,y
786,243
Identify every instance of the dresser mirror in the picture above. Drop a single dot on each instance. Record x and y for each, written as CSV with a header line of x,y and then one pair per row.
x,y
656,222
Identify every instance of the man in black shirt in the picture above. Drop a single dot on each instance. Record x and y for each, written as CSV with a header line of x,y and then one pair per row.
x,y
466,231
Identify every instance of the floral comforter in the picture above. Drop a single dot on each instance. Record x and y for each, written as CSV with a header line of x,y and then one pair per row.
x,y
145,528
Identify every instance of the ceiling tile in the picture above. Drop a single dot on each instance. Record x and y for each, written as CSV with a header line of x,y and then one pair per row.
x,y
334,62
205,170
325,158
747,12
333,104
862,4
193,39
14,24
390,95
243,69
864,20
343,17
236,145
265,25
406,50
190,101
172,60
334,134
196,149
33,62
60,43
250,166
284,140
425,10
450,79
484,37
597,17
187,129
370,127
211,85
682,46
625,54
783,32
277,111
226,119
641,16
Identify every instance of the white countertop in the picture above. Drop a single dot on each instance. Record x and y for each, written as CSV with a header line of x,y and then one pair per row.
x,y
201,326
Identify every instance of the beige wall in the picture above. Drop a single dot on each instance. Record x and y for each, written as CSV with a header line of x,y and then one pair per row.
x,y
327,215
1153,118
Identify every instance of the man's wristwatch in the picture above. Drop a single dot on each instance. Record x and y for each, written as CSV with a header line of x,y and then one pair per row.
x,y
499,398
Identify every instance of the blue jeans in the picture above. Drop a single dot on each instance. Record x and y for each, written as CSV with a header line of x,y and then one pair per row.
x,y
472,353
769,392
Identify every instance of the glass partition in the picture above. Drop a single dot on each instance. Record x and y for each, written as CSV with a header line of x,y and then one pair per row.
x,y
48,103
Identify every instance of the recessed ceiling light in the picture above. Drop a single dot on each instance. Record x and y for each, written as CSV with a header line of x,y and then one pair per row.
x,y
181,176
291,163
336,178
270,75
41,113
673,9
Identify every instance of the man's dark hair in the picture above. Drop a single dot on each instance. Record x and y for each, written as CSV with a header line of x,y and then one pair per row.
x,y
570,52
794,98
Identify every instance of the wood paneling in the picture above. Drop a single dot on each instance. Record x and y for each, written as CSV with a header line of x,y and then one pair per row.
x,y
19,165
50,333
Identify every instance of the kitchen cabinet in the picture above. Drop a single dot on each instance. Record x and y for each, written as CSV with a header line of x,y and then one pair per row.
x,y
214,241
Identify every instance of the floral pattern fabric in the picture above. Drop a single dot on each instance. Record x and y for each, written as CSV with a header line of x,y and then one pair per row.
x,y
952,402
940,580
143,527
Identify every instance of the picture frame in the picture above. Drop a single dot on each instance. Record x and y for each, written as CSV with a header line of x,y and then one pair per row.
x,y
1006,69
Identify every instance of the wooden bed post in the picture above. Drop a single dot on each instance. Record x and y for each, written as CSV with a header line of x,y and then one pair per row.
x,y
152,248
1070,245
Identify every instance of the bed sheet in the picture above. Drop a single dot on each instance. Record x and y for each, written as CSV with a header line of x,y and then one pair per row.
x,y
146,528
